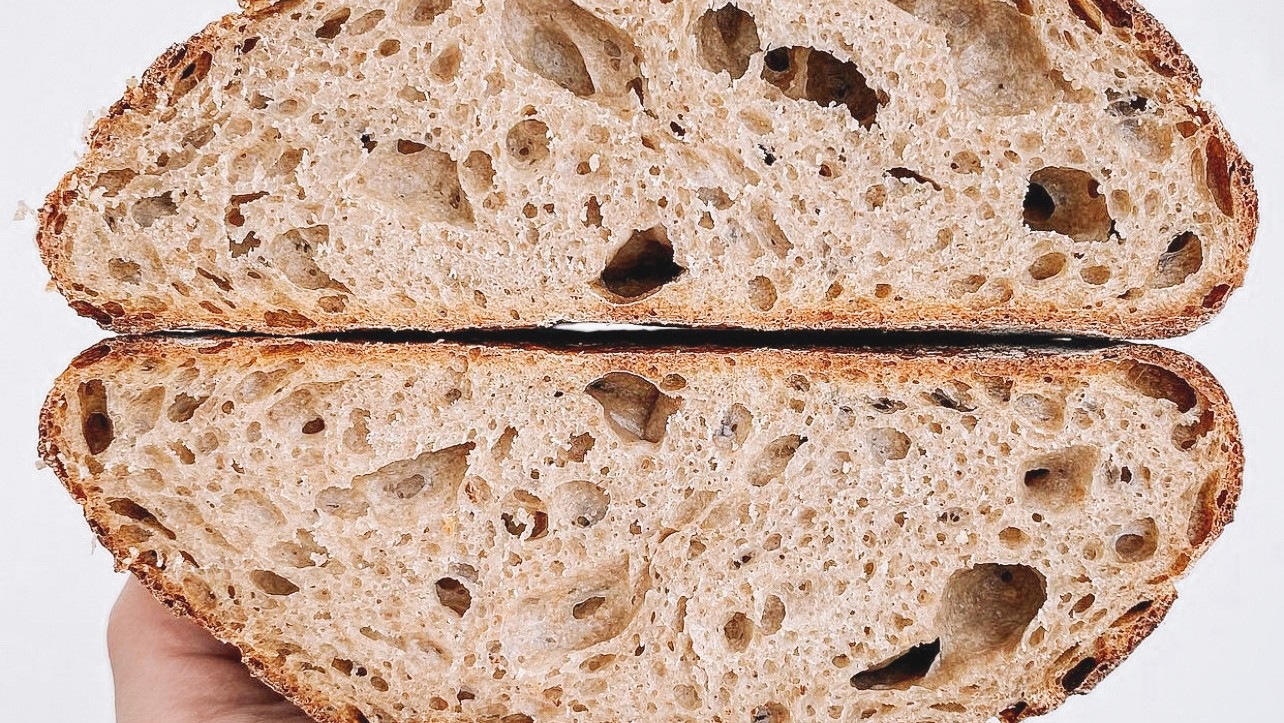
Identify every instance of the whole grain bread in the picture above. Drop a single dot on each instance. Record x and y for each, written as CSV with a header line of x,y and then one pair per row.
x,y
450,533
446,164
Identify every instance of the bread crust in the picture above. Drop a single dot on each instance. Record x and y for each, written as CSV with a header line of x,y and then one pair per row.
x,y
1152,42
1104,654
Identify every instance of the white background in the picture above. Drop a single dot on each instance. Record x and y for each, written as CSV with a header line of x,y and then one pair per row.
x,y
1218,656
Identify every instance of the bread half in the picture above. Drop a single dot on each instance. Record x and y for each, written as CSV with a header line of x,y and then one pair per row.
x,y
449,164
398,533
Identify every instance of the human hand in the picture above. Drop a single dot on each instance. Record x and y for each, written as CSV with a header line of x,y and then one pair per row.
x,y
170,670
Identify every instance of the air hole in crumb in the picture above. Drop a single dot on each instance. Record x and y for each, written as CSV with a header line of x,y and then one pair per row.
x,y
184,407
1134,613
1216,296
583,503
418,182
564,43
770,713
1138,541
1042,411
640,268
453,595
1186,436
192,75
435,473
734,428
635,408
966,162
333,24
367,22
113,182
1212,503
148,211
1157,382
1048,266
773,615
905,174
1089,13
1062,478
1013,537
95,424
1084,605
294,254
593,212
901,672
728,38
673,382
1218,175
1095,275
1079,674
1069,202
956,396
445,67
774,459
1000,59
762,232
423,12
272,583
580,446
528,141
885,405
887,444
815,75
342,502
553,55
989,607
138,513
762,293
587,608
738,632
1183,259
715,197
480,167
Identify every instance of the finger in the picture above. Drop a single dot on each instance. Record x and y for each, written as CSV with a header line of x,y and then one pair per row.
x,y
170,670
141,623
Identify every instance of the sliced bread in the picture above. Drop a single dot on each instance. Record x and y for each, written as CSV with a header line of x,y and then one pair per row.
x,y
446,164
418,532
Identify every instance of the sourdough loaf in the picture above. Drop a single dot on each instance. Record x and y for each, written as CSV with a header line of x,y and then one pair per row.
x,y
445,164
447,533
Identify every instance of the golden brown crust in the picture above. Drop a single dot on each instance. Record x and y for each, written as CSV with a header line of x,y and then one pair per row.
x,y
1168,58
1082,673
1152,41
142,98
1104,656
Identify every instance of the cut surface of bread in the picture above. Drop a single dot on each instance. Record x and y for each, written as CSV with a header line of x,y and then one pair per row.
x,y
441,532
448,164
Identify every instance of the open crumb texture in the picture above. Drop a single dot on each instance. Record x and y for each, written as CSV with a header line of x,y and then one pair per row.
x,y
447,164
451,533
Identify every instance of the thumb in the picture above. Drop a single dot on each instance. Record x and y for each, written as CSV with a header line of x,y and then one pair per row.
x,y
170,670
